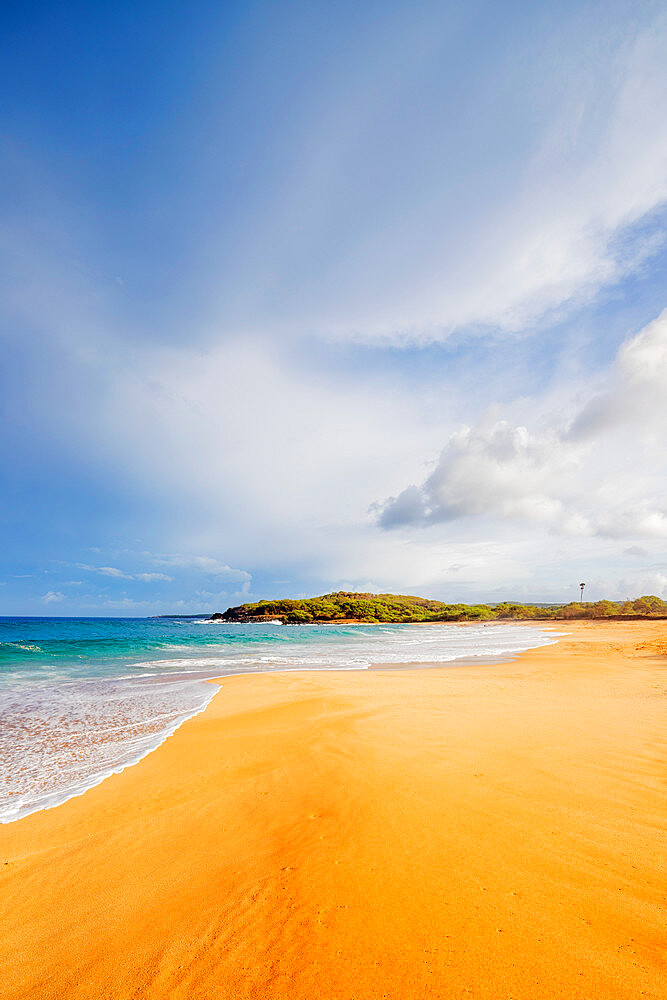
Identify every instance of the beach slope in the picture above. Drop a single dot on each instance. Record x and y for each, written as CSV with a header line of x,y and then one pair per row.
x,y
490,831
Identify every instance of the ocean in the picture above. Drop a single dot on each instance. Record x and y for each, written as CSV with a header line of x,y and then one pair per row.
x,y
82,698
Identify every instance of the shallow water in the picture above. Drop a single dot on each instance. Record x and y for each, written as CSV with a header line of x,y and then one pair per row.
x,y
81,698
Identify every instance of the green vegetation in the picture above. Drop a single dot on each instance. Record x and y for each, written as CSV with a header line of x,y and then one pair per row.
x,y
392,608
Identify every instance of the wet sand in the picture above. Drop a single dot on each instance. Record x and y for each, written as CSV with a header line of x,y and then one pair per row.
x,y
491,831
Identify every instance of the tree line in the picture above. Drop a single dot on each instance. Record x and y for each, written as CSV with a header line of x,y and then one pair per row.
x,y
399,609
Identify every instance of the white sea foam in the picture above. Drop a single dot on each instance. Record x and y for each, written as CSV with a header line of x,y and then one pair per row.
x,y
58,741
60,737
364,647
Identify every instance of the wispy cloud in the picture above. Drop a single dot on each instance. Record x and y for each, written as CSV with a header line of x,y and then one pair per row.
x,y
487,226
207,565
112,571
119,574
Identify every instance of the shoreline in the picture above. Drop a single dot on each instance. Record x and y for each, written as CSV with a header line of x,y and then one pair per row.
x,y
403,833
52,800
76,790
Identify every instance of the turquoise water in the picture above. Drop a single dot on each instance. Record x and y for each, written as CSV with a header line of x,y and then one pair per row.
x,y
81,698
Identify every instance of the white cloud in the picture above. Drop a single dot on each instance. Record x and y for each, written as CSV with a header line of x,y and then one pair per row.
x,y
268,454
628,587
526,187
53,597
119,574
493,468
486,227
124,604
111,571
637,551
636,389
207,565
570,476
196,602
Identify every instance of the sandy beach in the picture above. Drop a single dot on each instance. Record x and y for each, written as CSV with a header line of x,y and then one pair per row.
x,y
490,831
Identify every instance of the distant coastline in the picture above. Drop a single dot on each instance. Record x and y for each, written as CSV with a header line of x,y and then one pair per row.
x,y
345,607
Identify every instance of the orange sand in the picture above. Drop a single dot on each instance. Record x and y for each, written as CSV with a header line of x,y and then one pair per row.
x,y
489,831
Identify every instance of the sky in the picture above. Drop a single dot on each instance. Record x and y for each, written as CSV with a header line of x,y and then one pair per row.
x,y
301,297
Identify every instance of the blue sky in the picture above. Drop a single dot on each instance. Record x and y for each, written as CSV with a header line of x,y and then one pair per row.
x,y
301,297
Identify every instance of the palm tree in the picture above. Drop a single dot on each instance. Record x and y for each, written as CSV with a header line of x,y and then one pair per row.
x,y
582,585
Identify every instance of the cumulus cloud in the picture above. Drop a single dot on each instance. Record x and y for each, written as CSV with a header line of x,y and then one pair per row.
x,y
636,389
53,597
568,476
494,468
